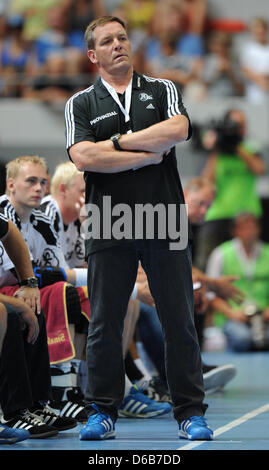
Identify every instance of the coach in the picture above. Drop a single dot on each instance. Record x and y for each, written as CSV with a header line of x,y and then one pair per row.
x,y
122,133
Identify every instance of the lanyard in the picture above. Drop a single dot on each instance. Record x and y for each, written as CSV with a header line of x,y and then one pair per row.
x,y
128,93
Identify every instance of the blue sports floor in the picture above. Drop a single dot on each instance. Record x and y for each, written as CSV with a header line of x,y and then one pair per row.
x,y
239,416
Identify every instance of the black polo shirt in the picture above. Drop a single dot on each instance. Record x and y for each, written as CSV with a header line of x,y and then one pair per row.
x,y
94,115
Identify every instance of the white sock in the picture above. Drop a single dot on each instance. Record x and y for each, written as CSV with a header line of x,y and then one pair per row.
x,y
63,366
76,363
128,385
142,383
68,379
139,364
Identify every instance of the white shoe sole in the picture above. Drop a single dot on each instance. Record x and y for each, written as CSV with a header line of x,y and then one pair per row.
x,y
129,414
184,435
217,378
102,437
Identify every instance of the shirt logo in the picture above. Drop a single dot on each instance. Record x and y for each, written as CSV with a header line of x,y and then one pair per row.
x,y
104,116
150,106
145,97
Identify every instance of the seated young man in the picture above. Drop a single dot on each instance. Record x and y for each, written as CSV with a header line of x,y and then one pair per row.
x,y
24,362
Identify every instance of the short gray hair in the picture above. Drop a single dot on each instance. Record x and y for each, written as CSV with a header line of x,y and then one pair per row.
x,y
89,33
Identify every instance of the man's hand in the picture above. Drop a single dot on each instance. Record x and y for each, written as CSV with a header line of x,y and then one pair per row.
x,y
224,288
201,302
29,321
31,296
141,275
144,294
265,314
238,315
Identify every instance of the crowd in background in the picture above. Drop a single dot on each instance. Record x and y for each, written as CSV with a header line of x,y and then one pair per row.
x,y
42,48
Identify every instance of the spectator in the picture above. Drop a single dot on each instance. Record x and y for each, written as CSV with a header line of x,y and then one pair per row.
x,y
35,14
170,51
195,15
199,195
170,64
219,73
245,327
53,84
3,27
255,62
55,37
169,17
233,166
15,59
138,16
24,364
59,39
80,14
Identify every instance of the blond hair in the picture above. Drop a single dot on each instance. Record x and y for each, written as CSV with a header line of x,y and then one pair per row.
x,y
13,167
259,21
64,173
198,182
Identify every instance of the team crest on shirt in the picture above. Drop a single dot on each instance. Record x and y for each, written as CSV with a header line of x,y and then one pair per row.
x,y
145,97
49,258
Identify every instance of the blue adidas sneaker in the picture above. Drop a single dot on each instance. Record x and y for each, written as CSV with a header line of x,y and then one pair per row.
x,y
137,405
98,427
195,429
10,435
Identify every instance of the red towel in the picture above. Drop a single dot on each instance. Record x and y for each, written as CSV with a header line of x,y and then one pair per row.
x,y
84,301
53,304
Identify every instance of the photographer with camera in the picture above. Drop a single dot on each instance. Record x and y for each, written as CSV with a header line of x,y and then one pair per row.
x,y
233,164
246,327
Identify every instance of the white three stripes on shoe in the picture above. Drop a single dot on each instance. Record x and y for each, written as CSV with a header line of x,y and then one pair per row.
x,y
49,419
71,409
186,425
23,425
134,406
108,424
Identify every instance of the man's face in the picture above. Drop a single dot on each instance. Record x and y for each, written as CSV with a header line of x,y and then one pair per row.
x,y
28,188
75,197
247,230
240,119
198,202
260,32
112,52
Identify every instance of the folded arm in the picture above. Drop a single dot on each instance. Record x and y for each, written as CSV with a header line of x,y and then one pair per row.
x,y
139,149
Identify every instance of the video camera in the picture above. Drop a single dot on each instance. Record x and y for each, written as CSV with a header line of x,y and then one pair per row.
x,y
227,136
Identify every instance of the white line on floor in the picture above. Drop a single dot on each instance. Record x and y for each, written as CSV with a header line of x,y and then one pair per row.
x,y
229,426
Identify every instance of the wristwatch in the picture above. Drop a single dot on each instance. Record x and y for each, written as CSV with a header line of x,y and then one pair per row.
x,y
29,282
115,140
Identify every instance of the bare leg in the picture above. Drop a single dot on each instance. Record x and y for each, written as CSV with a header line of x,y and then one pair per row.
x,y
130,324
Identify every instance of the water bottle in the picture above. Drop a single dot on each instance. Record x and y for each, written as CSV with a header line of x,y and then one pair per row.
x,y
256,324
